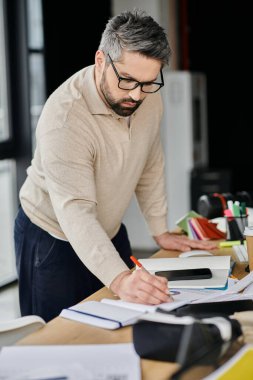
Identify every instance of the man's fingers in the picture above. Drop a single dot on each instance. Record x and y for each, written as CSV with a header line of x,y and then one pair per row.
x,y
141,286
163,280
207,245
156,281
151,289
154,298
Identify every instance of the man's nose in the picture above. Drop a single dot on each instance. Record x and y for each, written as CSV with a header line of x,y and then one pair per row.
x,y
135,94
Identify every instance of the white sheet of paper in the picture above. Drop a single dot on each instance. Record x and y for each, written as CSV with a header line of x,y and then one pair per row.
x,y
235,289
241,284
167,318
146,309
130,305
248,289
241,253
71,362
192,294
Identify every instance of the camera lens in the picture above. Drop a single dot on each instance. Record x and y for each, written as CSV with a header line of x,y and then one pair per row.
x,y
209,206
244,196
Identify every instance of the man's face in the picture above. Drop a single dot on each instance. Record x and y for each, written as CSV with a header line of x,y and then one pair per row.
x,y
131,66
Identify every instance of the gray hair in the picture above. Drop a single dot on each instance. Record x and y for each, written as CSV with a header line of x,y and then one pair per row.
x,y
135,31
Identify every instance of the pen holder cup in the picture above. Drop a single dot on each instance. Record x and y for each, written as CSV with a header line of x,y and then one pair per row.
x,y
235,226
248,233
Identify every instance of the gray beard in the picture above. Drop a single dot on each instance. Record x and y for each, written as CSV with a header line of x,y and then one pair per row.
x,y
116,106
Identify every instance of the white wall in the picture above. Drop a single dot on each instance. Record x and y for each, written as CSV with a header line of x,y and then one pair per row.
x,y
158,9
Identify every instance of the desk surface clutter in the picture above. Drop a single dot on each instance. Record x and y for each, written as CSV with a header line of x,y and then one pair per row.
x,y
65,331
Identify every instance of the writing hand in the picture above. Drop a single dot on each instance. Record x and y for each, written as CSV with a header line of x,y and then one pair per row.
x,y
141,287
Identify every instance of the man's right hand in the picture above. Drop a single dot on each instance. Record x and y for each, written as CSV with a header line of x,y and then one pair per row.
x,y
140,286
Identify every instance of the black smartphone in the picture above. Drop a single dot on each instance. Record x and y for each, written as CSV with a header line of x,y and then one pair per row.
x,y
186,274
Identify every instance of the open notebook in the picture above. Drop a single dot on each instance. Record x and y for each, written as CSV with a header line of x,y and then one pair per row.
x,y
101,314
112,314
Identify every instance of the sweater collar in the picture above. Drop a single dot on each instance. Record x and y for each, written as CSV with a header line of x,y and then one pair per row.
x,y
91,95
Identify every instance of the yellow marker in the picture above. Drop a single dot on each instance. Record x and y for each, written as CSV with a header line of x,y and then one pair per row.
x,y
226,244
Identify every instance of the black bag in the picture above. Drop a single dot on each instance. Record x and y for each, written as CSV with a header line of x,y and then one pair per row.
x,y
196,342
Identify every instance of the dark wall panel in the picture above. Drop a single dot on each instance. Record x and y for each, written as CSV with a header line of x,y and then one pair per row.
x,y
219,35
72,33
19,147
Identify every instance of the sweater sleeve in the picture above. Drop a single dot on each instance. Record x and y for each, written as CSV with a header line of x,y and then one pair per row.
x,y
68,167
151,192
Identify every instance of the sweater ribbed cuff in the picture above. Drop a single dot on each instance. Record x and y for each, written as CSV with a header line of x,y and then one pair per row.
x,y
157,225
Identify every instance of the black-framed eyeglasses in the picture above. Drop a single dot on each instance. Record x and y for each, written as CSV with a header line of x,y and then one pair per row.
x,y
131,84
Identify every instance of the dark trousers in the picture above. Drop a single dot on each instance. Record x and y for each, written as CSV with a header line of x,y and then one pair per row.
x,y
51,276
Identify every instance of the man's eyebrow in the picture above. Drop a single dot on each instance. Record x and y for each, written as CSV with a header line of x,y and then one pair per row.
x,y
127,76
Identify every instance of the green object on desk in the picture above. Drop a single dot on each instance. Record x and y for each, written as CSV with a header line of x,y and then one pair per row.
x,y
183,221
227,244
236,210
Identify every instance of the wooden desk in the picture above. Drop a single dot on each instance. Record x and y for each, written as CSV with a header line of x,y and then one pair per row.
x,y
63,331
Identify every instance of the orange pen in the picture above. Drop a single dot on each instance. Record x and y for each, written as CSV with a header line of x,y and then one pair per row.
x,y
136,262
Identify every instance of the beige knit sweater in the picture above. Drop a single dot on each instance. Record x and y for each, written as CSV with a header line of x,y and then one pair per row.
x,y
86,167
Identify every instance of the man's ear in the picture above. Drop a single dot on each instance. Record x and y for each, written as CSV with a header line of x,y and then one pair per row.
x,y
100,60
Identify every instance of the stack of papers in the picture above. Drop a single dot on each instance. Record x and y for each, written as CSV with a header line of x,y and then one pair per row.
x,y
242,289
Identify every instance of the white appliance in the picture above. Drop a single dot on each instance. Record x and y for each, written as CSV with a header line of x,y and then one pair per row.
x,y
184,137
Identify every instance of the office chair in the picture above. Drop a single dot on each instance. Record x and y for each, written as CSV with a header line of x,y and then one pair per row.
x,y
15,329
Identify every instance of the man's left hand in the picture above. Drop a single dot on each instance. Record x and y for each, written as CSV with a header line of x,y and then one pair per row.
x,y
182,243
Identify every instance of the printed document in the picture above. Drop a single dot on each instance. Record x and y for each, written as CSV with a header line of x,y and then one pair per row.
x,y
242,289
70,362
